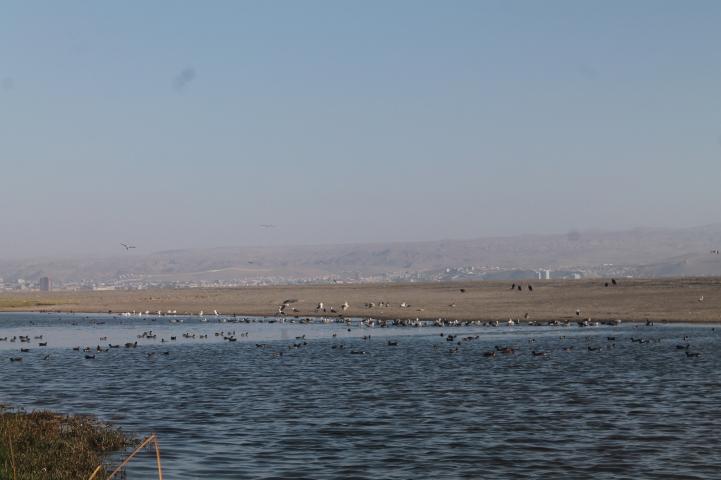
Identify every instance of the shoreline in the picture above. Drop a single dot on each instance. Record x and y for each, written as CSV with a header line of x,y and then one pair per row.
x,y
679,300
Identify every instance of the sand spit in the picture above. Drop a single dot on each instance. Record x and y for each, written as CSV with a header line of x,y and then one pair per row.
x,y
678,300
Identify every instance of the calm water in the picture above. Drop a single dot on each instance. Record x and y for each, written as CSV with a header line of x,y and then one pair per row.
x,y
232,410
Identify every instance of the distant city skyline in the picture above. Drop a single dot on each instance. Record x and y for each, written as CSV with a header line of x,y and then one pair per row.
x,y
170,126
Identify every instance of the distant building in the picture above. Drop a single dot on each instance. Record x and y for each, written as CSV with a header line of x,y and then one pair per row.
x,y
544,274
45,284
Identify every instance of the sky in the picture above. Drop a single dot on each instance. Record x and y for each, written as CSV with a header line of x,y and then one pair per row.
x,y
178,124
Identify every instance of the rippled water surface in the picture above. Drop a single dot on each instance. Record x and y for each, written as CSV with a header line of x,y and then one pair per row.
x,y
416,410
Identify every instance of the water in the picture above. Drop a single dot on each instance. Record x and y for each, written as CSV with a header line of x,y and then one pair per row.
x,y
231,410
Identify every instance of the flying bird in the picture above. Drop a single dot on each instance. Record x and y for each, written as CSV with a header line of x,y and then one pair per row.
x,y
267,225
184,78
127,246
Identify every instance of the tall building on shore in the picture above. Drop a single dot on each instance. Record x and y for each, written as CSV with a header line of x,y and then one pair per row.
x,y
45,284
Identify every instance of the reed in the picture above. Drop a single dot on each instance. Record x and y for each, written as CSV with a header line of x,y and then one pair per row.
x,y
43,445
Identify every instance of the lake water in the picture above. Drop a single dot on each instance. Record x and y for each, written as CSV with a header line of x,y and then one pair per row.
x,y
227,410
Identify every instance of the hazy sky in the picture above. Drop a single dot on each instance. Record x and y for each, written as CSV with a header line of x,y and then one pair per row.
x,y
187,124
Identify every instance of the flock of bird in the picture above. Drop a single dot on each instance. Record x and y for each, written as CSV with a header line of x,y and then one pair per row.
x,y
149,335
286,308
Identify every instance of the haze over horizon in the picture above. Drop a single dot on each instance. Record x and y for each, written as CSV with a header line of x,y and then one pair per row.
x,y
592,235
175,126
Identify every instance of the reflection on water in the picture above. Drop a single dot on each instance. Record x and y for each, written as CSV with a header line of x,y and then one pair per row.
x,y
233,410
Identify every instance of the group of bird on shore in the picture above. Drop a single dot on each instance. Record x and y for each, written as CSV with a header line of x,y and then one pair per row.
x,y
330,314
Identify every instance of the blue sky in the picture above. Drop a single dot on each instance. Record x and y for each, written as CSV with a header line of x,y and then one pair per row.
x,y
352,121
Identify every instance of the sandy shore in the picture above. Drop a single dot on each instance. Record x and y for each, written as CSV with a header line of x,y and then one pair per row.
x,y
631,300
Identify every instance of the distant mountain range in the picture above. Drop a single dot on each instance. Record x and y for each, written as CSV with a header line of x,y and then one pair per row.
x,y
648,252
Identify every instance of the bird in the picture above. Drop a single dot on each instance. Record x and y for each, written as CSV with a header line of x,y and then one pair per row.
x,y
127,246
700,298
613,281
530,288
267,225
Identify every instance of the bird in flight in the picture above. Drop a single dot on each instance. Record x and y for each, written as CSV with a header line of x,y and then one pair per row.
x,y
267,225
127,247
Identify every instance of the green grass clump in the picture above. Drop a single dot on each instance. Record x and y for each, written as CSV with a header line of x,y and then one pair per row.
x,y
18,303
46,446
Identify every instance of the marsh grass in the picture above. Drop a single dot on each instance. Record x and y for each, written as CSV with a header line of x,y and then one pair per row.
x,y
43,445
12,303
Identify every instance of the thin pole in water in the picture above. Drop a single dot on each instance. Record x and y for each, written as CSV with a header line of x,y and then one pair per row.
x,y
157,457
151,438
